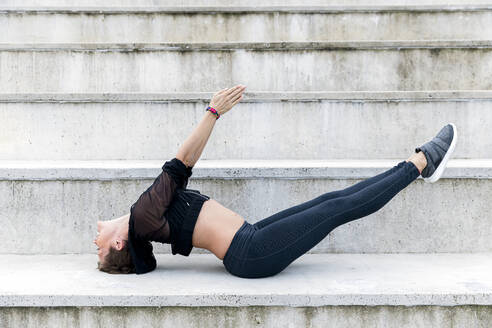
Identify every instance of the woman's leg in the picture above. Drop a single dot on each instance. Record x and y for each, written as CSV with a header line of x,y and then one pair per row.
x,y
326,196
270,249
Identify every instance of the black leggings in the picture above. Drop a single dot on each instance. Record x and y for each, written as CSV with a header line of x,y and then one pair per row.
x,y
267,247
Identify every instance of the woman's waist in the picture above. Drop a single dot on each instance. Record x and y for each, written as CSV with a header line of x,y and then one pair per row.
x,y
190,194
217,225
184,209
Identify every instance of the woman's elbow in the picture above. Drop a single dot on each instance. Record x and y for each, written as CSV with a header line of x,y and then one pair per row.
x,y
186,160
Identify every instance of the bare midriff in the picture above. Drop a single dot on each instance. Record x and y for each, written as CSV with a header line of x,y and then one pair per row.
x,y
215,227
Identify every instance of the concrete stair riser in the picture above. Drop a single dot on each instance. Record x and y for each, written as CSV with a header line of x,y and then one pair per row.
x,y
75,4
448,216
122,25
251,130
130,69
250,316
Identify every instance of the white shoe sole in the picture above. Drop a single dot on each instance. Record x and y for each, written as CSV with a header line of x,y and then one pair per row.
x,y
440,168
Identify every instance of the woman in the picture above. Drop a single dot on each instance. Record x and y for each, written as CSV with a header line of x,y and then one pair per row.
x,y
167,212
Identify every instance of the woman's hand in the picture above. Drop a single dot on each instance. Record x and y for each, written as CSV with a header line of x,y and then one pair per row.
x,y
226,98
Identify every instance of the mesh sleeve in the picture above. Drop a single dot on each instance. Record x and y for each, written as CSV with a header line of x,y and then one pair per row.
x,y
178,171
148,211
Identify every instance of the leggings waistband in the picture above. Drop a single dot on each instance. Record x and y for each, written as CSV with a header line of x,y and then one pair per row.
x,y
236,248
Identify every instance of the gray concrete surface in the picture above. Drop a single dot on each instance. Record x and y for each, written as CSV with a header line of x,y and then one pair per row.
x,y
258,128
469,316
36,4
243,23
250,96
201,280
131,68
451,215
248,46
94,170
113,62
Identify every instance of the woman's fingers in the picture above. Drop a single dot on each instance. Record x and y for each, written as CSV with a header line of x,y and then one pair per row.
x,y
233,90
229,97
222,91
237,100
236,92
228,91
236,95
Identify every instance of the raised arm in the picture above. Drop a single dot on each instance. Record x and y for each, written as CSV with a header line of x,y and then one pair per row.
x,y
191,149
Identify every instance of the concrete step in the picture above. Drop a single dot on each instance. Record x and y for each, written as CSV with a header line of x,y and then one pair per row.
x,y
64,199
146,5
356,290
240,23
282,66
187,3
144,126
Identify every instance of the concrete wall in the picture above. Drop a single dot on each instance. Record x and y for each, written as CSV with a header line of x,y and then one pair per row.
x,y
451,215
125,26
253,316
253,3
251,130
292,67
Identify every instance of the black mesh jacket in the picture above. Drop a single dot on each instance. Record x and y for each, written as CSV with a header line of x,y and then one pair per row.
x,y
166,212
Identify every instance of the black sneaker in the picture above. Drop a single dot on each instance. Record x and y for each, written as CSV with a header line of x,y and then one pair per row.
x,y
437,152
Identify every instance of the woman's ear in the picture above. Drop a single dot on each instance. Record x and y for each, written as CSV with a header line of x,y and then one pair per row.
x,y
118,244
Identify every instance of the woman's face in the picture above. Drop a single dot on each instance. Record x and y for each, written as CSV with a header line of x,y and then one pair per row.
x,y
103,239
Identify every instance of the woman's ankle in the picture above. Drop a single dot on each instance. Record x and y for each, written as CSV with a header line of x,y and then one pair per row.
x,y
419,160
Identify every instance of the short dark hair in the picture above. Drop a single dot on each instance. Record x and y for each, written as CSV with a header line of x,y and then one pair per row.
x,y
117,261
